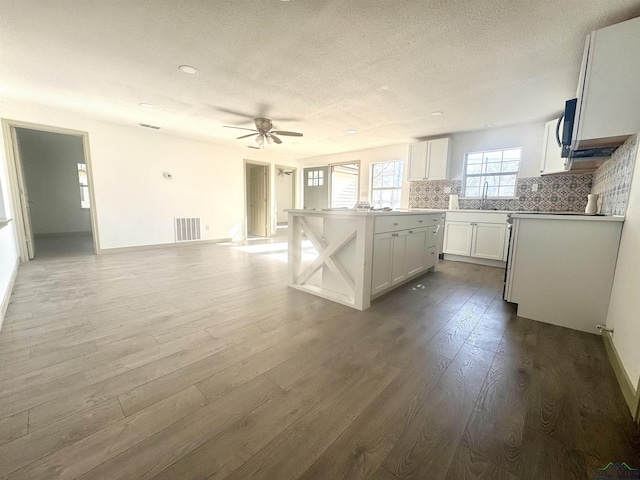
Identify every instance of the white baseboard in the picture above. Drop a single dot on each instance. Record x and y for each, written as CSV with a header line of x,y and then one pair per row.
x,y
7,294
630,392
156,246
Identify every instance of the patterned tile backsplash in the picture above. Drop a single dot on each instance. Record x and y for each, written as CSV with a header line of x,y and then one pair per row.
x,y
560,193
612,181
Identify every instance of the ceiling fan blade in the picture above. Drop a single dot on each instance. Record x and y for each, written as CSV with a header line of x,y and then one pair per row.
x,y
241,128
245,136
234,112
290,134
276,139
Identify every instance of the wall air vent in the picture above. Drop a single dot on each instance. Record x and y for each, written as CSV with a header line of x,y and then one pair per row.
x,y
146,125
187,229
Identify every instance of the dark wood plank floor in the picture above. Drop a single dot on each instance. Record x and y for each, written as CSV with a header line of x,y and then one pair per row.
x,y
199,362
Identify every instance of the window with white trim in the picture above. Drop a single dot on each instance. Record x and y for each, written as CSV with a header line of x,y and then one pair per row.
x,y
386,184
498,168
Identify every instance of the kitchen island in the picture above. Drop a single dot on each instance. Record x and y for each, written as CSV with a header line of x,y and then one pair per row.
x,y
353,257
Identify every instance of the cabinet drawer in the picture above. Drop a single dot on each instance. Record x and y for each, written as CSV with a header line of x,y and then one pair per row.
x,y
391,223
417,221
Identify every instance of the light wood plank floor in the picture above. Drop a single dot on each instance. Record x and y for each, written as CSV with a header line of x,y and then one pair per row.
x,y
199,362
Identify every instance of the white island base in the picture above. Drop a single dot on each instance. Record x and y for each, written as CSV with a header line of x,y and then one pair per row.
x,y
360,255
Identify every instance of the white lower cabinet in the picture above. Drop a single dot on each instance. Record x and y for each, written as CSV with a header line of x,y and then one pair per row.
x,y
488,240
405,253
484,239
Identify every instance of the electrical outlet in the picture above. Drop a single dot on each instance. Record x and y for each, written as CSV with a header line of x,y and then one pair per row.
x,y
534,187
447,189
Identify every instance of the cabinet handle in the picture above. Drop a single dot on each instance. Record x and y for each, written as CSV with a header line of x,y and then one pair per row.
x,y
419,221
410,231
395,224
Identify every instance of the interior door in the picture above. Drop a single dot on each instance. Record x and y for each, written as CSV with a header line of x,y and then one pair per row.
x,y
24,198
316,188
257,200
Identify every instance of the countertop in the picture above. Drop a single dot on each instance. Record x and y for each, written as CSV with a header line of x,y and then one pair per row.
x,y
362,214
580,218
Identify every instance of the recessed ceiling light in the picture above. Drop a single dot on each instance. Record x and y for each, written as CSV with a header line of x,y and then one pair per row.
x,y
435,114
295,143
146,105
188,69
488,125
351,132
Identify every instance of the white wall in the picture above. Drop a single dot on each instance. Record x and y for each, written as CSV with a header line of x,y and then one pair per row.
x,y
624,307
366,158
135,204
50,168
529,136
284,195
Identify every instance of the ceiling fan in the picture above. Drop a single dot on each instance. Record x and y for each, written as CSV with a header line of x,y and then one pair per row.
x,y
263,133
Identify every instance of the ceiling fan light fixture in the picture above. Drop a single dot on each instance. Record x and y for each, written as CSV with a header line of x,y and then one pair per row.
x,y
269,140
436,113
259,139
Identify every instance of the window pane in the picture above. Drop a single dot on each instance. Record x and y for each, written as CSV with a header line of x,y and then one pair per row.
x,y
492,156
492,168
493,181
82,174
492,192
474,169
473,181
474,158
510,166
472,192
507,180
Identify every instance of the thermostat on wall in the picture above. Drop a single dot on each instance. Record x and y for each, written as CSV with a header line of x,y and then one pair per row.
x,y
167,175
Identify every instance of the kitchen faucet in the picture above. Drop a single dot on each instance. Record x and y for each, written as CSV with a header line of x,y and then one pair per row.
x,y
485,191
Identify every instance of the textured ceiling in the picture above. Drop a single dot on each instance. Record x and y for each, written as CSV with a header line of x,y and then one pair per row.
x,y
316,66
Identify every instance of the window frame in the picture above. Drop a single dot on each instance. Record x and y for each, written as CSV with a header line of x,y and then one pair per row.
x,y
84,187
498,174
373,189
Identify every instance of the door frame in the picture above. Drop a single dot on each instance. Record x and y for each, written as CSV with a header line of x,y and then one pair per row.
x,y
267,167
294,185
17,207
330,179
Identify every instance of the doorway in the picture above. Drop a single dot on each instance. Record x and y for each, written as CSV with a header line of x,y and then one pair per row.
x,y
257,199
345,184
52,192
316,188
285,195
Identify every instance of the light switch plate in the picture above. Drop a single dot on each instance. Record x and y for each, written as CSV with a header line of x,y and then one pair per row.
x,y
534,187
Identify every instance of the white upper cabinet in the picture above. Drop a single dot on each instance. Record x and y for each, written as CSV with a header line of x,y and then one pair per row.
x,y
608,108
429,160
552,161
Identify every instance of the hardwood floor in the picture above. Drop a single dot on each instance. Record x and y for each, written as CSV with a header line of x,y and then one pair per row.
x,y
199,362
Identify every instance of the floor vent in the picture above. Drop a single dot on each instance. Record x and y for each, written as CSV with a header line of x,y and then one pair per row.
x,y
187,229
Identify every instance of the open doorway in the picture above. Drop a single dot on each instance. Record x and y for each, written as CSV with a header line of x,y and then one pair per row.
x,y
257,199
285,193
345,184
53,191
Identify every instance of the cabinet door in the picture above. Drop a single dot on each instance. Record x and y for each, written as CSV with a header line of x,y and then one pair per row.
x,y
381,265
488,240
457,238
417,161
438,159
399,257
416,258
552,161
